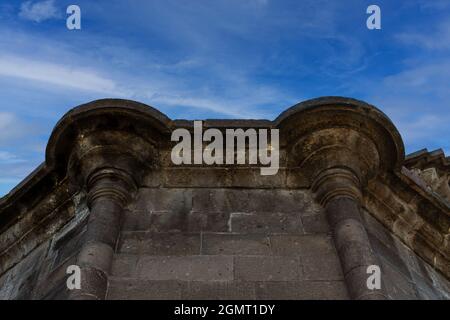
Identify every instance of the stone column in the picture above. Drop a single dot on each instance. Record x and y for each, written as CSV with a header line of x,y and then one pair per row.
x,y
338,162
338,145
109,190
338,190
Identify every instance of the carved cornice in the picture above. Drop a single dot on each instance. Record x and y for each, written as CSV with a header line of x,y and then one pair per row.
x,y
305,125
414,215
433,171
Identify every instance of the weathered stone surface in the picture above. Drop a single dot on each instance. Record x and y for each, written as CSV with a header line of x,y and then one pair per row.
x,y
208,221
301,290
124,265
56,278
219,290
266,222
286,201
201,268
267,268
19,282
120,289
235,244
397,284
160,243
302,245
220,200
322,267
316,223
177,201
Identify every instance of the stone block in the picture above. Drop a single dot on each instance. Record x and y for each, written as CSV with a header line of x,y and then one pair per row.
x,y
132,289
135,220
302,245
168,221
201,268
160,243
252,178
301,290
235,244
316,223
322,267
197,177
208,221
130,242
266,222
219,200
124,265
262,268
275,200
174,200
219,290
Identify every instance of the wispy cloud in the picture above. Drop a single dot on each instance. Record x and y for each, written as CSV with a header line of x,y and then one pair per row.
x,y
57,74
39,11
434,4
431,77
436,39
7,157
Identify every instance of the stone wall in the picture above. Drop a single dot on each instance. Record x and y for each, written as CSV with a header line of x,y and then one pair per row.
x,y
219,243
404,274
40,273
225,244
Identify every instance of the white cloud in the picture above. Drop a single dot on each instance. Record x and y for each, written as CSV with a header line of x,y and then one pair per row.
x,y
57,74
215,105
437,39
423,127
39,11
433,77
7,157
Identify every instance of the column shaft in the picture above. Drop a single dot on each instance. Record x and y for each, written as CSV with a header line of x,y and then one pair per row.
x,y
108,193
353,246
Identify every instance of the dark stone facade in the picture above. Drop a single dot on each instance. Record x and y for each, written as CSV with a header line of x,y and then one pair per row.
x,y
109,199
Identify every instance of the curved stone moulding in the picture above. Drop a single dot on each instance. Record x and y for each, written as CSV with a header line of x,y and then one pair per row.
x,y
345,125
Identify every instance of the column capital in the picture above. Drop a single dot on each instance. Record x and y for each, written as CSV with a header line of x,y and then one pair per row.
x,y
112,183
336,182
340,134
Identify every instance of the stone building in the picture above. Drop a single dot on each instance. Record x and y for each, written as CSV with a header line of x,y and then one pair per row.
x,y
109,199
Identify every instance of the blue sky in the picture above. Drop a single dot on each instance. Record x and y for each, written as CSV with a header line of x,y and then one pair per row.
x,y
219,59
